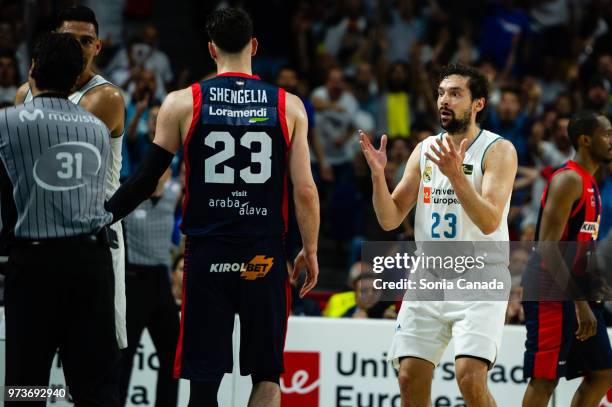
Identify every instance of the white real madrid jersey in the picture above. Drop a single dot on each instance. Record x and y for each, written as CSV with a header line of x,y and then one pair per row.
x,y
439,214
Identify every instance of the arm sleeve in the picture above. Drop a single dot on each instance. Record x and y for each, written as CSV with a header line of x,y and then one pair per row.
x,y
141,185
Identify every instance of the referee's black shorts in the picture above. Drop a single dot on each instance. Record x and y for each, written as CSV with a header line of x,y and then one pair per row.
x,y
60,295
224,277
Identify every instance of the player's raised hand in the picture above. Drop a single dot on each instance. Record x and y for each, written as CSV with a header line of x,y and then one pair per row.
x,y
308,261
377,159
447,158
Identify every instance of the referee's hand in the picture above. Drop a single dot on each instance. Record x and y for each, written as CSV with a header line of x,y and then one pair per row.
x,y
308,261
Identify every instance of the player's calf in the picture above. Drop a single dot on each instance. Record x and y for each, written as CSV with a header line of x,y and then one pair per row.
x,y
538,392
593,387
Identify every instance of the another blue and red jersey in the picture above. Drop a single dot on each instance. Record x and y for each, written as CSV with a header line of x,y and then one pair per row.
x,y
583,223
236,159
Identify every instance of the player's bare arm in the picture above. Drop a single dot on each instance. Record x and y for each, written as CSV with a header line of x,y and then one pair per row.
x,y
22,93
305,193
499,170
565,190
391,208
174,119
106,103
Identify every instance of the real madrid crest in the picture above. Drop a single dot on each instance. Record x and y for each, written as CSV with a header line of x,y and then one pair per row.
x,y
427,173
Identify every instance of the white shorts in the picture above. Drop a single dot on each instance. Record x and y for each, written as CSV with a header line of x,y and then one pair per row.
x,y
118,256
424,329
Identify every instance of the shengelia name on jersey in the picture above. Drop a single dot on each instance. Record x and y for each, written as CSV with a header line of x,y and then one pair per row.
x,y
240,96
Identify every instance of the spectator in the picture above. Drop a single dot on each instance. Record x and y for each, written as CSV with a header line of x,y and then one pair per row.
x,y
336,107
347,37
509,121
399,152
141,99
564,106
11,43
143,52
467,52
554,152
394,114
288,79
501,32
597,96
487,67
9,78
363,301
546,155
365,88
402,31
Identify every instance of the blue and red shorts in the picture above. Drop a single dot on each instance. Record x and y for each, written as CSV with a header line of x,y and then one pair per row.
x,y
224,277
552,349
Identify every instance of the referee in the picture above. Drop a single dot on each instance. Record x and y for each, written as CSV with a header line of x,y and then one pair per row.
x,y
59,284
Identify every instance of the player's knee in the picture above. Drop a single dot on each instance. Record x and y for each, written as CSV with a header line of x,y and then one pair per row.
x,y
544,386
409,379
602,378
472,384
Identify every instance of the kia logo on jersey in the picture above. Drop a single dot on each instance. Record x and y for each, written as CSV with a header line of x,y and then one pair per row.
x,y
300,382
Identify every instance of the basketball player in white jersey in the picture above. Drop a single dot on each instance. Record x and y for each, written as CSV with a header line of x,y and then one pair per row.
x,y
474,169
105,101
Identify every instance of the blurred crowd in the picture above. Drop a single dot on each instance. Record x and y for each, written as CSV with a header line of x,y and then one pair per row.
x,y
370,65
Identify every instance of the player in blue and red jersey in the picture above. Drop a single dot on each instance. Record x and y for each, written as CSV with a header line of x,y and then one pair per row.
x,y
569,338
243,140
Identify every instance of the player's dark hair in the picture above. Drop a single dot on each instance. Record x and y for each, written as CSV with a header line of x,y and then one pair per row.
x,y
78,13
58,62
230,29
583,122
477,82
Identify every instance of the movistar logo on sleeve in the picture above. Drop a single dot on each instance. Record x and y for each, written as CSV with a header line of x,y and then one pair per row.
x,y
258,119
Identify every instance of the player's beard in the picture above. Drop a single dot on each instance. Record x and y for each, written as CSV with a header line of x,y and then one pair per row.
x,y
457,125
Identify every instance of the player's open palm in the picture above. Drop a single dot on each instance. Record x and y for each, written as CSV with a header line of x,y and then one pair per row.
x,y
587,323
376,158
447,157
310,263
